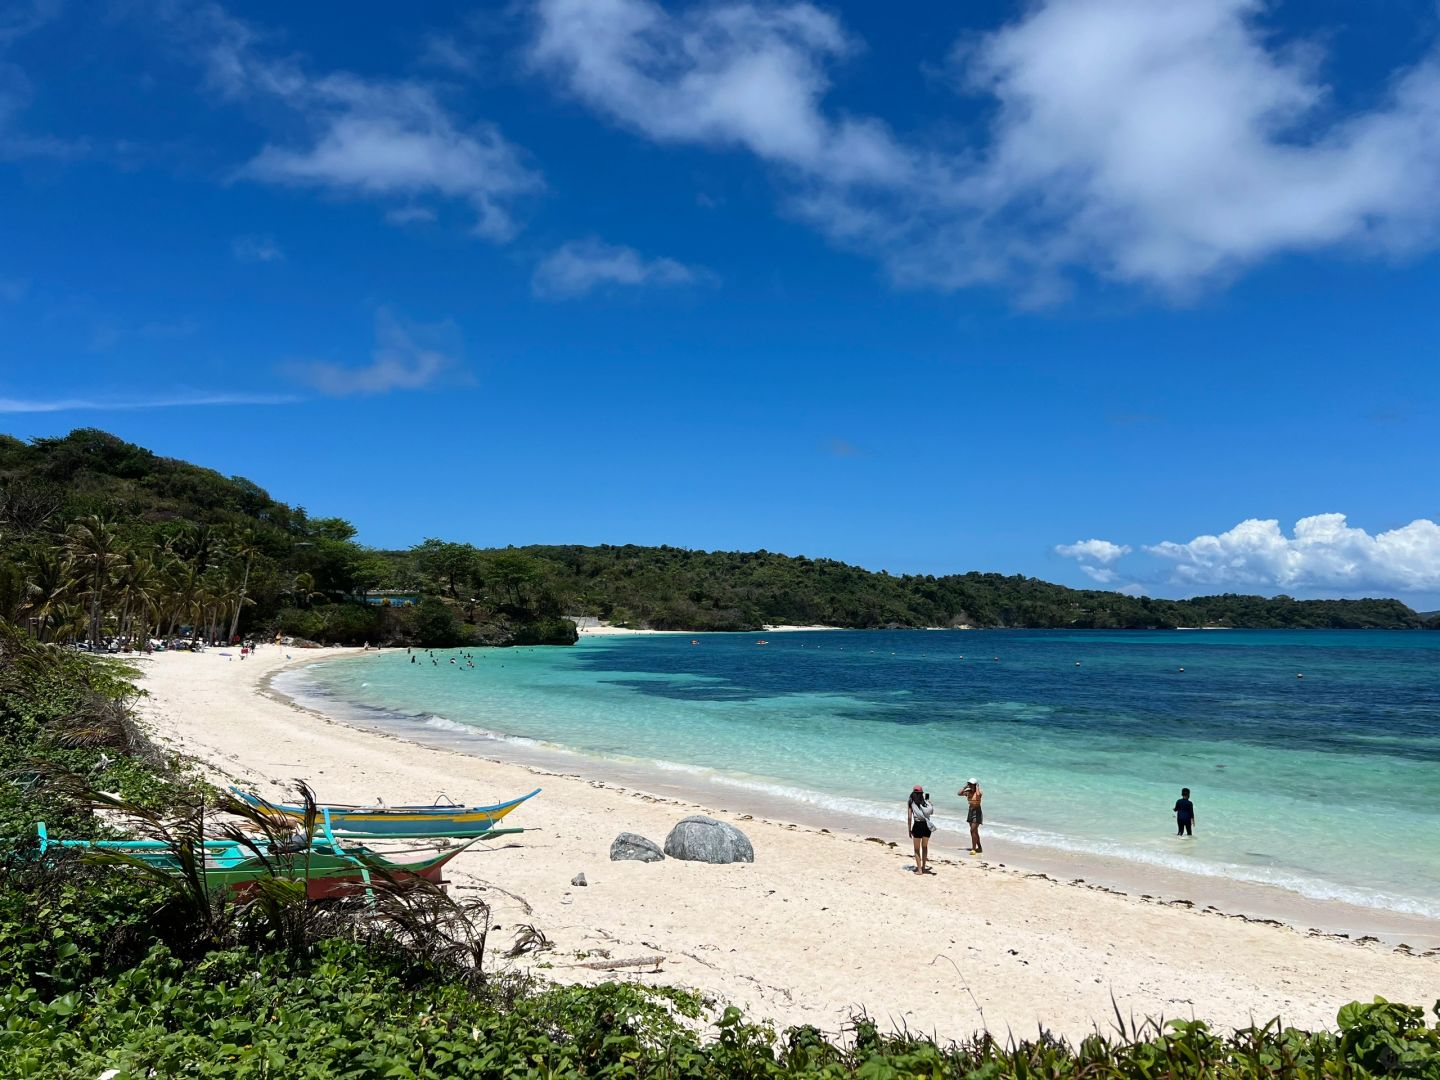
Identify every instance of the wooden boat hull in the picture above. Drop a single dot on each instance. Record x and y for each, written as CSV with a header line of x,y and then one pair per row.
x,y
401,822
329,870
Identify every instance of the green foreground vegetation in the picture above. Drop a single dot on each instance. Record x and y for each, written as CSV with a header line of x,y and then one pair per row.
x,y
111,973
103,540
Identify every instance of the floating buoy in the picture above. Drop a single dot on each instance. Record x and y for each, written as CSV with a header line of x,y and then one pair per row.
x,y
1077,663
1182,669
1299,676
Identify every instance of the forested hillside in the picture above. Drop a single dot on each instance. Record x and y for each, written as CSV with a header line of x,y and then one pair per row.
x,y
101,538
671,588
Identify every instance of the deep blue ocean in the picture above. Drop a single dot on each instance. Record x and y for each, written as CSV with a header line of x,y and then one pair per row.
x,y
1326,785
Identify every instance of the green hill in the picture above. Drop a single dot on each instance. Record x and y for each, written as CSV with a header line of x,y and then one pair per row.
x,y
99,537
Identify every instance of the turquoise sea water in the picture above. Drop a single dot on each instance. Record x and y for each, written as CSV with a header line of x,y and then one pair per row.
x,y
1326,785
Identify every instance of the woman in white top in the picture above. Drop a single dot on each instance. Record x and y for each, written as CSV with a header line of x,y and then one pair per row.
x,y
917,823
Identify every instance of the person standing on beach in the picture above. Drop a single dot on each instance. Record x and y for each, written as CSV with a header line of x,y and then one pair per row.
x,y
917,824
1184,813
972,794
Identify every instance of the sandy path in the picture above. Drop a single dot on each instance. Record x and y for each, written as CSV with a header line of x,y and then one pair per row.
x,y
820,925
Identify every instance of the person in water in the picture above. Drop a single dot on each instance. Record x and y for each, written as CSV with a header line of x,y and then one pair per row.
x,y
972,794
1184,814
918,825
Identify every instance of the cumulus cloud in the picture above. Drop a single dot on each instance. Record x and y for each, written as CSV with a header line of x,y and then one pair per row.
x,y
405,357
742,75
1325,553
1089,553
1165,143
363,137
256,249
1100,551
582,266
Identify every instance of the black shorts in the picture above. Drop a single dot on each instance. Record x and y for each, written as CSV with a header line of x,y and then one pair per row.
x,y
920,831
975,816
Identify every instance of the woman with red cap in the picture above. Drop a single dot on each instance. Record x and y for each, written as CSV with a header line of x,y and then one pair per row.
x,y
918,825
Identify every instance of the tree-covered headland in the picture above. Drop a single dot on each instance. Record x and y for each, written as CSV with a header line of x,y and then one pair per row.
x,y
102,539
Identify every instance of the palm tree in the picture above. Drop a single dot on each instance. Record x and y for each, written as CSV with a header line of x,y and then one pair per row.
x,y
71,621
302,590
51,581
93,545
139,587
243,547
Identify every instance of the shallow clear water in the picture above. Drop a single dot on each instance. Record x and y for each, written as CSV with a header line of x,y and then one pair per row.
x,y
1327,785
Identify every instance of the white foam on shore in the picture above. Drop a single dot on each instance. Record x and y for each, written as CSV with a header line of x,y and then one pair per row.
x,y
883,814
1301,884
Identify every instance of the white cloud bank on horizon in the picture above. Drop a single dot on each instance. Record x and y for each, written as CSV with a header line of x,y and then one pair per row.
x,y
581,266
1164,143
406,357
365,137
1324,554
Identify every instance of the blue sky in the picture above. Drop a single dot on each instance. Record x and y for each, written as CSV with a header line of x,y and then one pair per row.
x,y
1130,292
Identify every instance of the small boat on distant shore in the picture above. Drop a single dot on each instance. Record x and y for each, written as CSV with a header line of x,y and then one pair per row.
x,y
454,820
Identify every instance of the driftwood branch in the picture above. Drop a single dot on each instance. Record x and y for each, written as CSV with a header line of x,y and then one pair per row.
x,y
614,965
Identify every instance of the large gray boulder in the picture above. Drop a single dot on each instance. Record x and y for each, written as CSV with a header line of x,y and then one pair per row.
x,y
635,848
703,839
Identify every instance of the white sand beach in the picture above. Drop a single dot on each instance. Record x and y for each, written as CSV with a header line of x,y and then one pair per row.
x,y
821,925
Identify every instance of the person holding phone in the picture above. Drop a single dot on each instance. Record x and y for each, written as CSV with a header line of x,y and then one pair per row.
x,y
918,824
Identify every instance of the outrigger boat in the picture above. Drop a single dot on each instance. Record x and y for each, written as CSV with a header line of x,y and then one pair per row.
x,y
453,820
329,869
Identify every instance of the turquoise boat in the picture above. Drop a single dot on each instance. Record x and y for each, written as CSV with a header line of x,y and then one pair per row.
x,y
329,869
452,820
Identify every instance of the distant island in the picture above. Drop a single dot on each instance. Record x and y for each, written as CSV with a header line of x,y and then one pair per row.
x,y
102,539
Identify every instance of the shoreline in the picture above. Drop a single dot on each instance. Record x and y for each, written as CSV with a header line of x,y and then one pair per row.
x,y
823,922
1216,894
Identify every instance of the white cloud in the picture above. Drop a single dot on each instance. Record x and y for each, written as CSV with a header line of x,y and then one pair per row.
x,y
20,18
1167,143
16,92
388,139
443,51
405,357
409,215
1101,551
582,266
257,249
1325,553
176,400
729,75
